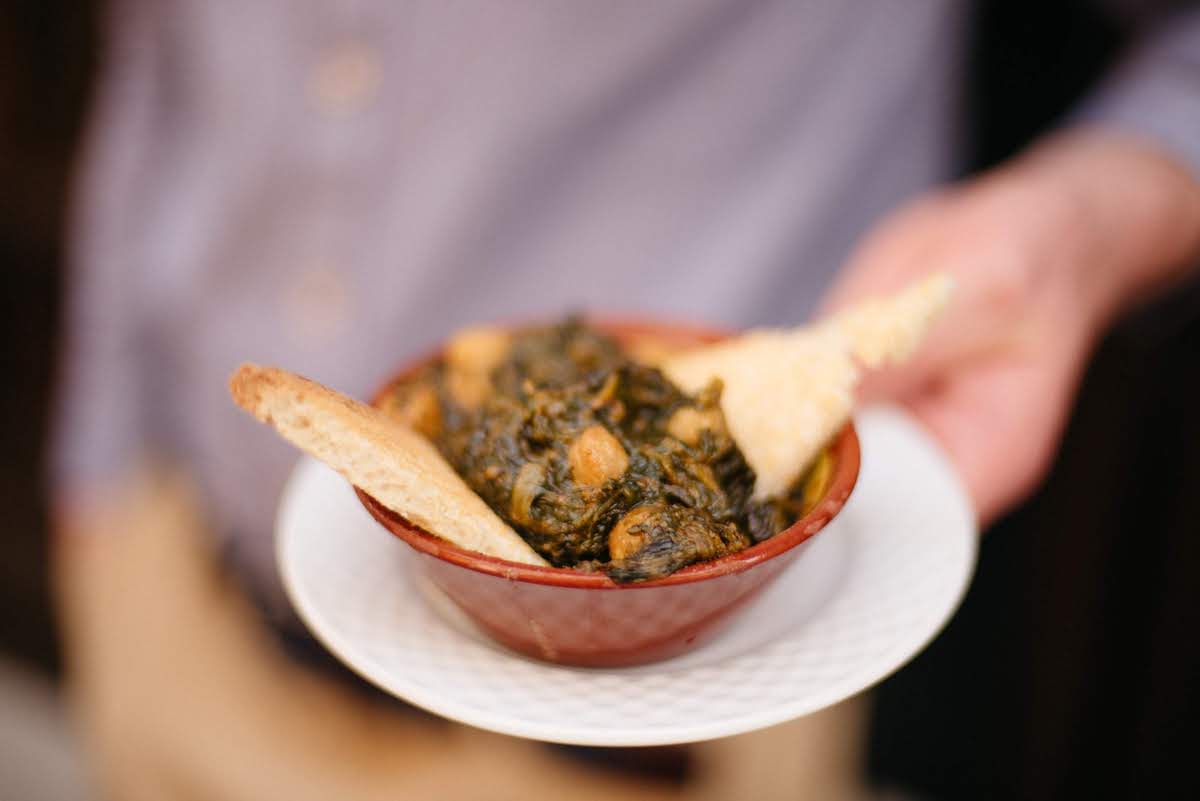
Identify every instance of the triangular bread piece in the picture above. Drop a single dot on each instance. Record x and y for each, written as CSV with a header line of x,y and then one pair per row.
x,y
396,466
788,391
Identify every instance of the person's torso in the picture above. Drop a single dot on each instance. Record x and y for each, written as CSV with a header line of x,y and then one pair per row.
x,y
334,188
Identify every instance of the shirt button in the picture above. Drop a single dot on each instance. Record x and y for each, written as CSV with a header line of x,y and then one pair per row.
x,y
345,79
316,305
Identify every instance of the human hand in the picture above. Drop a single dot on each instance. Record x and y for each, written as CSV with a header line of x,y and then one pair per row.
x,y
1043,252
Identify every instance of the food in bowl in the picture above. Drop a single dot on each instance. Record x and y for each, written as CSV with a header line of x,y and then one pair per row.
x,y
598,461
555,446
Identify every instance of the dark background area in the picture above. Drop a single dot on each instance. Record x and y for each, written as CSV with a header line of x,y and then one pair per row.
x,y
1073,668
47,58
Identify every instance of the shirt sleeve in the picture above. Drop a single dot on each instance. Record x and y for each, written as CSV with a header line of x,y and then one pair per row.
x,y
100,402
1155,91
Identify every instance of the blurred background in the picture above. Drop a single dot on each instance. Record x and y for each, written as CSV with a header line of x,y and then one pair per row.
x,y
1073,667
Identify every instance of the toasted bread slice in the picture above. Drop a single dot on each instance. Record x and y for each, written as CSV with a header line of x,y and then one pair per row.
x,y
789,391
395,465
887,330
786,394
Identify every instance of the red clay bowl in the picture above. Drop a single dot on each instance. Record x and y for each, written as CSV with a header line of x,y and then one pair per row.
x,y
586,619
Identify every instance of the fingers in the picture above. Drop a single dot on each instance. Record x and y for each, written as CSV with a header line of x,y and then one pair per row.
x,y
999,426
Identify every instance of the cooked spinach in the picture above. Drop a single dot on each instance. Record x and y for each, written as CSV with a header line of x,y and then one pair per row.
x,y
600,463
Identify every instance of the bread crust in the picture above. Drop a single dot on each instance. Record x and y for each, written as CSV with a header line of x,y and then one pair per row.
x,y
395,465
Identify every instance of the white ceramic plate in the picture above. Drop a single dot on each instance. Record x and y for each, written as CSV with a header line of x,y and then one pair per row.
x,y
873,589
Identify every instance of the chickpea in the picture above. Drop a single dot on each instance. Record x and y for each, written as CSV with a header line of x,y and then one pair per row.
x,y
689,422
471,355
417,408
526,488
596,456
816,482
622,542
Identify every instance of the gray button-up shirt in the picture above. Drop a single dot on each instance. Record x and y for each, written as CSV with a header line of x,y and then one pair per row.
x,y
334,187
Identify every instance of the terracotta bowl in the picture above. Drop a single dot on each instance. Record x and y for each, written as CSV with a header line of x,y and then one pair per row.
x,y
577,618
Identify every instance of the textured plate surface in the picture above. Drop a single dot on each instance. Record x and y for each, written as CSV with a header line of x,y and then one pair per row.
x,y
872,590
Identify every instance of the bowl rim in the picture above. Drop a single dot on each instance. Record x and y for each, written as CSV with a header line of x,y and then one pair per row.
x,y
847,460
